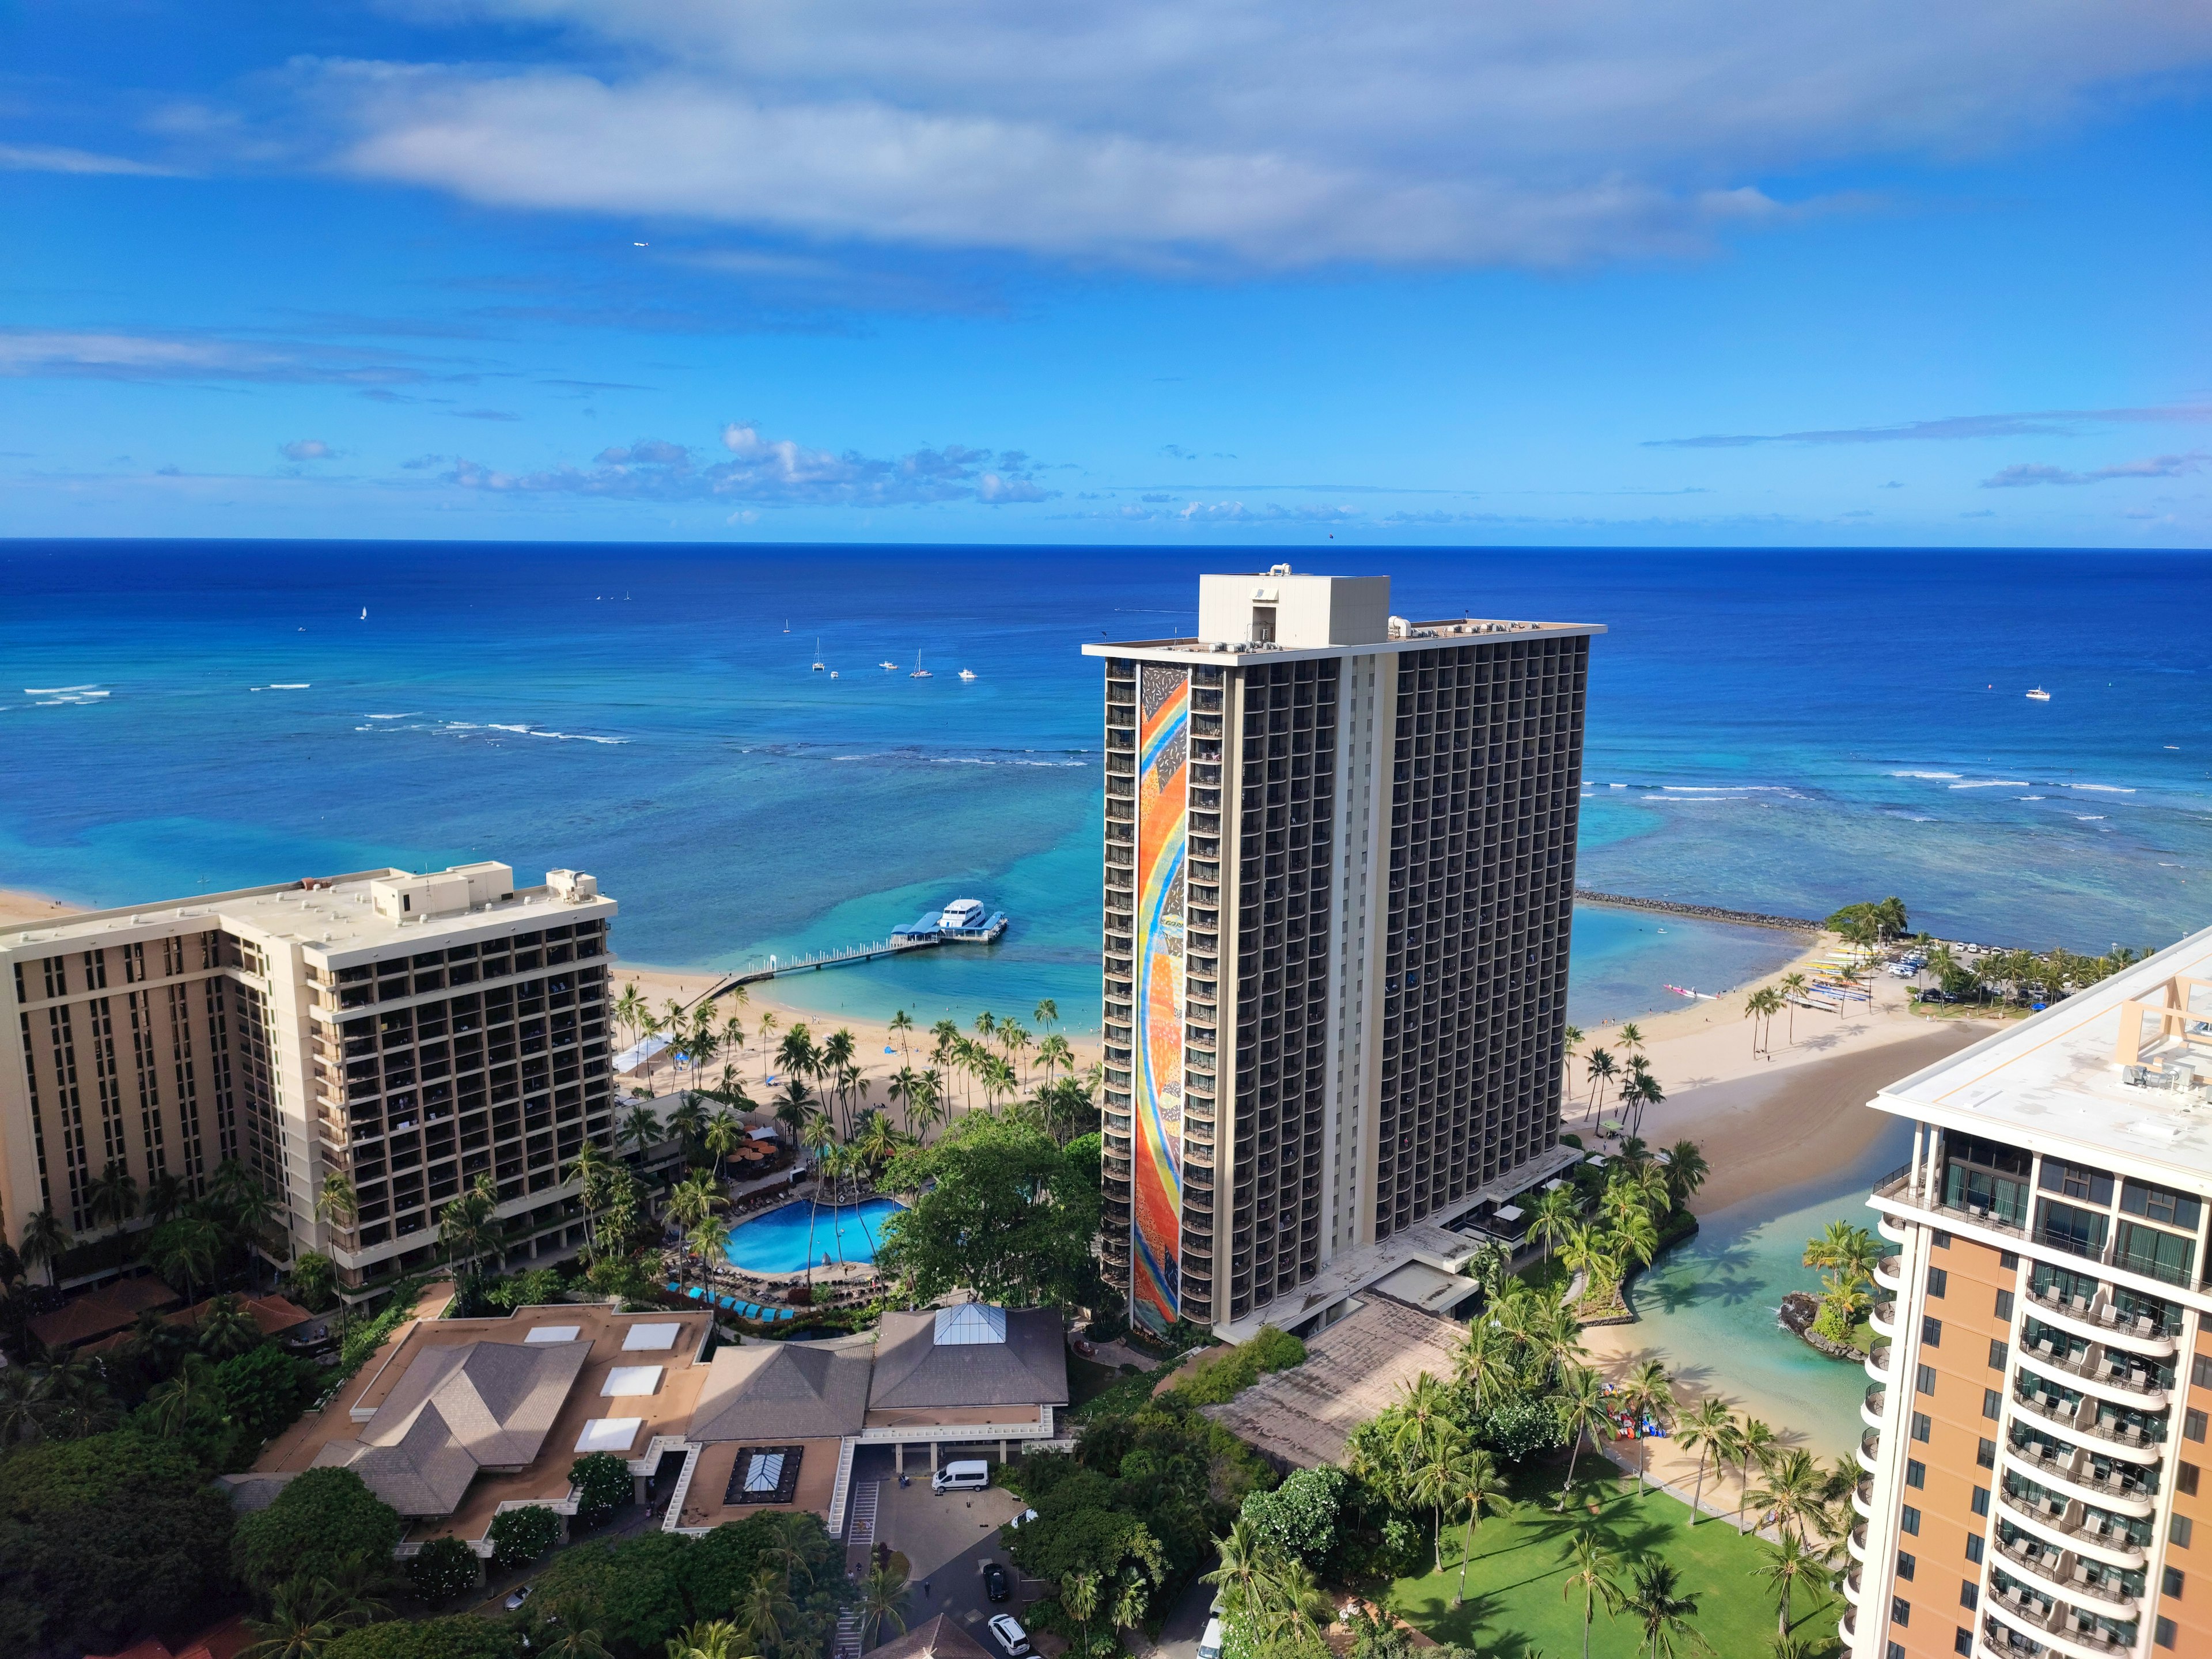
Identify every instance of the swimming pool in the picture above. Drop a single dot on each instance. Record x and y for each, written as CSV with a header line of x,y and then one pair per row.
x,y
784,1240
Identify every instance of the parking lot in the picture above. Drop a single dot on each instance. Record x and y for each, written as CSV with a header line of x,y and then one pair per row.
x,y
946,1539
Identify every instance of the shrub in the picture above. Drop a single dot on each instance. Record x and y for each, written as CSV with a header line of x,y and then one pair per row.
x,y
602,1482
520,1536
445,1568
461,1637
1221,1376
319,1518
532,1288
1515,1428
1300,1516
264,1388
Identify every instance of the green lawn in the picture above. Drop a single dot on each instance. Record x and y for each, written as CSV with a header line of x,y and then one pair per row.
x,y
1514,1608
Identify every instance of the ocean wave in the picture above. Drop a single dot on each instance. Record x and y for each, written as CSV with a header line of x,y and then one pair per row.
x,y
408,715
2030,798
1994,783
2088,818
1924,774
541,732
58,690
2101,788
1909,817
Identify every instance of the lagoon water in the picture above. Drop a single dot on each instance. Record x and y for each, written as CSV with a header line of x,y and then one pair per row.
x,y
1716,1295
1777,732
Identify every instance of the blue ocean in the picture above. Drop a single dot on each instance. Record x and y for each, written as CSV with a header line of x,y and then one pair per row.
x,y
1780,731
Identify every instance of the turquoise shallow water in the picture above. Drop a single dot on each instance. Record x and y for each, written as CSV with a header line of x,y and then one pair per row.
x,y
1707,1305
786,1239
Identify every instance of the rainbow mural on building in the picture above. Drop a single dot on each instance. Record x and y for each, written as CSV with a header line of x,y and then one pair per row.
x,y
1163,801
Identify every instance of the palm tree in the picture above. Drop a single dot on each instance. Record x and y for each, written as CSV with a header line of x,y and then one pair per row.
x,y
226,1330
186,1248
764,1031
900,1026
1599,1070
589,1169
1432,1475
1483,1357
1079,1598
306,1615
1582,1406
165,1196
1584,1251
1647,1394
883,1601
709,1639
1793,986
766,1609
1553,1214
1755,1447
1789,1564
1686,1170
335,1204
628,1012
1795,1493
641,1128
1570,1040
1655,1601
190,1394
1053,1053
723,1136
44,1240
689,1121
112,1197
1048,1012
1590,1568
1632,1039
1476,1486
1709,1429
569,1631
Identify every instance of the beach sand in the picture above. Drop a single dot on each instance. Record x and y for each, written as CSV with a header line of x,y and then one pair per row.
x,y
19,909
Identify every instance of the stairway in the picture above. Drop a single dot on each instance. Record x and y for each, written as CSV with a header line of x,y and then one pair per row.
x,y
860,1523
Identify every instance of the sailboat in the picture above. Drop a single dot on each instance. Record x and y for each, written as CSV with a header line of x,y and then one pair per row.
x,y
919,672
787,621
364,613
818,663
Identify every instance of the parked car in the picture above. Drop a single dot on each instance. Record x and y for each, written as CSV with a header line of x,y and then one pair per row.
x,y
1934,993
1012,1637
520,1593
968,1474
1209,1644
996,1585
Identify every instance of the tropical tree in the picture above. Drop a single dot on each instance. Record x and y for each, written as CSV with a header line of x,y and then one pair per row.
x,y
226,1329
1580,1401
570,1628
336,1206
1476,1487
1553,1214
306,1615
1756,1447
709,1639
1078,1599
1431,1471
1485,1358
641,1130
185,1249
1795,1492
1048,1012
44,1240
901,1028
1590,1570
628,1012
1761,1006
112,1196
164,1197
1686,1170
724,1135
765,1609
1793,988
1709,1430
1654,1600
1789,1564
1647,1395
883,1601
1599,1070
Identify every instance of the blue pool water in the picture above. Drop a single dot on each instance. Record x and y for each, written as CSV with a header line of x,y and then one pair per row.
x,y
784,1240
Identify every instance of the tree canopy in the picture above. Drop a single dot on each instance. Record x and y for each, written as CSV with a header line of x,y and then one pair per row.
x,y
461,1637
319,1518
1003,1211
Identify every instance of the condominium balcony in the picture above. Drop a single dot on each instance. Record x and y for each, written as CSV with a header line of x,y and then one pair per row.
x,y
1883,1316
2062,1571
2096,1372
2067,1525
1871,1407
2074,1475
2129,1442
2057,1625
2101,1321
1852,1586
1877,1361
1869,1450
1856,1543
1890,1270
1862,1498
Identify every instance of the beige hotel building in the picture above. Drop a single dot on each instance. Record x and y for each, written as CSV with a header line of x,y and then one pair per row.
x,y
409,1032
2035,1450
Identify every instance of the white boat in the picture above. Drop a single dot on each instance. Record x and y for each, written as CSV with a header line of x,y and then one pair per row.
x,y
962,912
887,666
2038,696
833,673
919,672
818,663
364,613
966,673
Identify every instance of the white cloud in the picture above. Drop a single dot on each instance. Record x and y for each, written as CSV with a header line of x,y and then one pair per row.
x,y
775,472
2029,474
307,449
1257,132
54,158
111,356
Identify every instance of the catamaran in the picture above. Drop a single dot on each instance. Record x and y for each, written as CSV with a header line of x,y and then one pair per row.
x,y
818,663
919,672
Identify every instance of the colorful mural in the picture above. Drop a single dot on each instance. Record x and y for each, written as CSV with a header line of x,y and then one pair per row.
x,y
1163,799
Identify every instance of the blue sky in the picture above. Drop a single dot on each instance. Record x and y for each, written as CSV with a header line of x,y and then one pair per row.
x,y
1595,273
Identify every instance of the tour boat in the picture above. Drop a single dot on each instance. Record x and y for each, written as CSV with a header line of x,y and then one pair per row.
x,y
887,666
966,673
2038,696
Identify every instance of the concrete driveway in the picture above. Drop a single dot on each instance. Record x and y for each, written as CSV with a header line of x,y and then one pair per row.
x,y
1186,1623
946,1540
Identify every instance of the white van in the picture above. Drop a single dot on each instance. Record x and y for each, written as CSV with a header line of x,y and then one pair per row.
x,y
1209,1644
969,1475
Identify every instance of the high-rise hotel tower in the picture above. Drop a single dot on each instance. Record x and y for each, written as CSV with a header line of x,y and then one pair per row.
x,y
1339,863
2035,1447
406,1032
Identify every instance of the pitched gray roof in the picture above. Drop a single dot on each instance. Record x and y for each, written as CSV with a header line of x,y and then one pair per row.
x,y
458,1408
915,1370
935,1639
783,1391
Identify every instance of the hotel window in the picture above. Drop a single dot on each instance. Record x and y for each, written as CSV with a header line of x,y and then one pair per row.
x,y
2161,1254
2004,1305
1986,1176
2170,1584
1986,1454
1992,1403
1981,1500
1923,1427
1924,1379
2184,1478
1931,1331
2077,1231
1905,1565
2178,1531
1908,1521
1970,1595
2076,1180
1963,1641
1916,1474
2200,1370
2163,1632
1974,1547
2169,1209
1900,1610
2192,1425
1998,1352
1938,1282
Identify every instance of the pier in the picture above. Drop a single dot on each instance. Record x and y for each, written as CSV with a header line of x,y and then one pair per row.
x,y
776,968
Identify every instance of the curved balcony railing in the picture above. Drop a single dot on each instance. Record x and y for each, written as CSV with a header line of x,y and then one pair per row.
x,y
2101,1320
2130,1443
1855,1542
1877,1361
1882,1316
2101,1540
2047,1567
1869,1450
1871,1407
2058,1469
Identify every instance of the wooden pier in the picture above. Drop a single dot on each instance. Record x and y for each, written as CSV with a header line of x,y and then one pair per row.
x,y
776,968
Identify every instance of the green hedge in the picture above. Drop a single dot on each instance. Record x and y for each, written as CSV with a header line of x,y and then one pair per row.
x,y
1221,1377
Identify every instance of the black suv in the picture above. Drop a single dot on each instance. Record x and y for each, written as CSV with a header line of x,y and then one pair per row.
x,y
996,1584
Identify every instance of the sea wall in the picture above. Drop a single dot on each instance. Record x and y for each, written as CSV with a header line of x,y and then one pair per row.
x,y
1700,912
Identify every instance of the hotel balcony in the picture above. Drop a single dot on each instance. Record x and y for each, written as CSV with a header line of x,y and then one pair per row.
x,y
1895,1232
1883,1316
2061,1570
1852,1586
2056,1626
2049,1409
1857,1542
1871,1407
1890,1271
1877,1361
1869,1450
2069,1528
1862,1498
2094,1371
2101,1322
2076,1479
